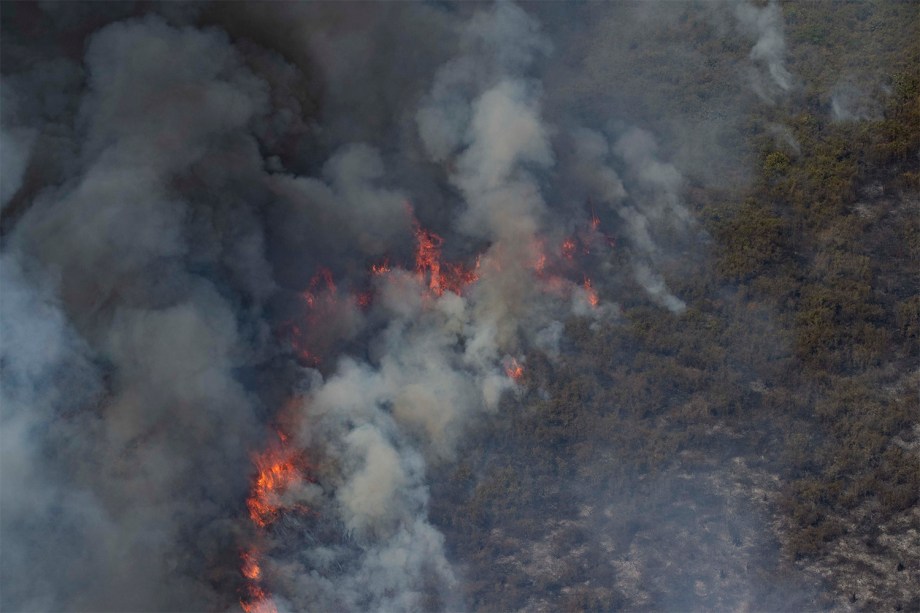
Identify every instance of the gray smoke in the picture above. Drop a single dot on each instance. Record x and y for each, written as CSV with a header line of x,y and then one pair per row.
x,y
765,25
123,413
173,177
854,102
437,362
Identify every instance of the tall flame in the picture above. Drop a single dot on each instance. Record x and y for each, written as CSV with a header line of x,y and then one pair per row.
x,y
251,568
278,468
428,258
440,277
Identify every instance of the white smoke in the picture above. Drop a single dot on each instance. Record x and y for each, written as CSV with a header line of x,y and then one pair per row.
x,y
650,203
850,102
784,138
15,148
765,25
437,363
139,287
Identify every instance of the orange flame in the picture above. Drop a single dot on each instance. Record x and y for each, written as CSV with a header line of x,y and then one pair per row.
x,y
380,269
251,569
441,277
568,248
428,258
514,370
278,468
593,300
257,600
254,599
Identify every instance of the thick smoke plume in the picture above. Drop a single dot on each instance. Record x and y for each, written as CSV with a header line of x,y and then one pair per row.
x,y
234,230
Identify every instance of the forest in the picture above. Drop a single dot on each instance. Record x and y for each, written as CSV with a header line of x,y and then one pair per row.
x,y
460,306
796,360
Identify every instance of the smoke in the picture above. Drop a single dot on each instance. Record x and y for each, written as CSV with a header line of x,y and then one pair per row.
x,y
122,409
784,138
368,218
646,198
193,197
850,102
15,147
764,24
436,363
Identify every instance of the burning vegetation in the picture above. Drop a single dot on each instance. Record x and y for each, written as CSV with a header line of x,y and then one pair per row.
x,y
183,248
280,467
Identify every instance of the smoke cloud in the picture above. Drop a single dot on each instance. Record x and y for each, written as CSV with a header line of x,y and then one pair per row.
x,y
764,24
194,199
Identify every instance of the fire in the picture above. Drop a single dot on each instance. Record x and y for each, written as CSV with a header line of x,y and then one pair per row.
x,y
514,370
323,275
381,268
593,300
428,258
257,601
278,468
440,277
251,569
568,248
281,466
458,276
255,598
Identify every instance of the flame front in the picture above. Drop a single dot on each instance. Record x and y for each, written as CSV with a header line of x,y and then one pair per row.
x,y
278,468
257,601
255,598
440,277
514,370
251,569
593,300
382,268
277,471
281,467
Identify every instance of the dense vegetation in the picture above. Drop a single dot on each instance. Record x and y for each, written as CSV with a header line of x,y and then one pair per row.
x,y
831,240
798,352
